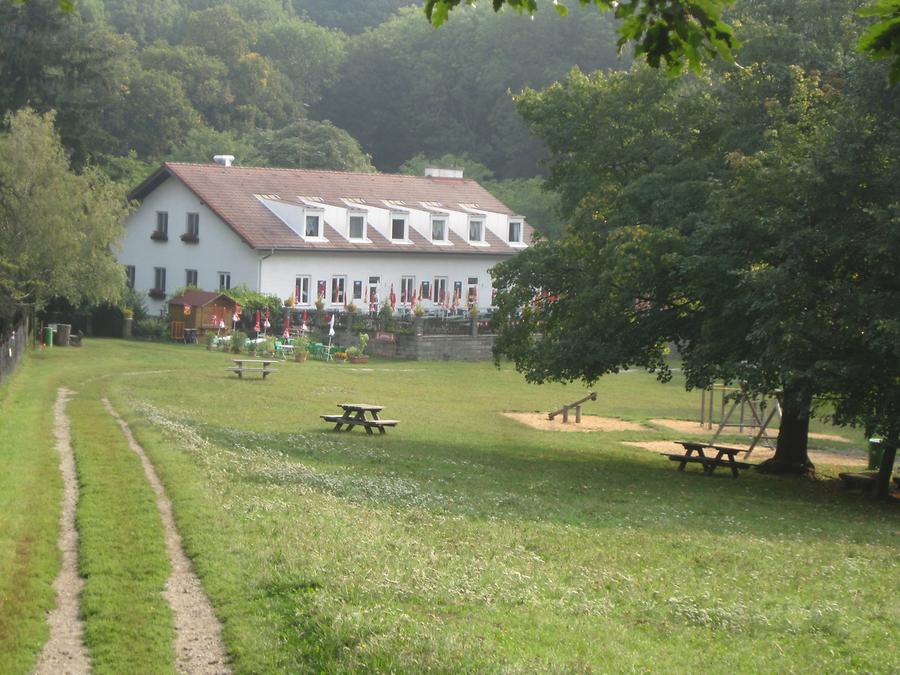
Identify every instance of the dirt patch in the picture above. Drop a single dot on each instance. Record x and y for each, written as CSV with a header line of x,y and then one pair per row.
x,y
687,427
64,651
588,423
198,633
758,455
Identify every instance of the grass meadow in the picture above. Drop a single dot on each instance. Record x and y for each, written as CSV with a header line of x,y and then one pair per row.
x,y
461,541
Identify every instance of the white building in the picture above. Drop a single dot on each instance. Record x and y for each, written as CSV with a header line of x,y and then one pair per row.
x,y
343,236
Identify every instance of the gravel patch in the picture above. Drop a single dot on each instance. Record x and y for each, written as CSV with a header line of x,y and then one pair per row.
x,y
588,422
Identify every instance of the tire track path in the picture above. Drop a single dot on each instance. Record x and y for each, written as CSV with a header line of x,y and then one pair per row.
x,y
65,652
198,641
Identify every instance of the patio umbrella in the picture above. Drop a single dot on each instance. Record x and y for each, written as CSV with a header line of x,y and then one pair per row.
x,y
412,302
287,326
256,327
393,297
304,328
267,325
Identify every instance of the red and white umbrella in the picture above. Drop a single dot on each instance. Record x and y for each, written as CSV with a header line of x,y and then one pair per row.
x,y
393,297
304,328
256,327
412,302
287,326
267,325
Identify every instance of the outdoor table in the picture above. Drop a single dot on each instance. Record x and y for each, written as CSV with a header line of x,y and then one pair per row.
x,y
355,415
724,457
253,367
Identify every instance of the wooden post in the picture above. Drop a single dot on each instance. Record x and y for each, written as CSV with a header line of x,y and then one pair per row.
x,y
702,405
565,414
712,395
577,414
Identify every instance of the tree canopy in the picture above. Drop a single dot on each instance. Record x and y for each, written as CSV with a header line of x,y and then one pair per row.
x,y
750,218
57,227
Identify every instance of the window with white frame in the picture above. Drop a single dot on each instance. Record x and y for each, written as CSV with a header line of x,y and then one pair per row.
x,y
398,226
162,223
356,225
472,291
515,231
439,292
129,276
438,228
159,278
338,290
313,225
476,229
407,286
301,290
224,281
190,278
374,283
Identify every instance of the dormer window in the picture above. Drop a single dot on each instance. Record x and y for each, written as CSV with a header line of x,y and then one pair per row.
x,y
398,226
476,229
356,225
438,228
313,225
515,231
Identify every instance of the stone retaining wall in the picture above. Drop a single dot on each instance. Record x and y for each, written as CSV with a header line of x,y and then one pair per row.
x,y
433,347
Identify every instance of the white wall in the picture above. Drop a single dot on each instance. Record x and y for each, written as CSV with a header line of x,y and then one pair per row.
x,y
280,271
219,248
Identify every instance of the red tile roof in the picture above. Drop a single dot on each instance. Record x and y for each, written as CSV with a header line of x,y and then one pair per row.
x,y
230,192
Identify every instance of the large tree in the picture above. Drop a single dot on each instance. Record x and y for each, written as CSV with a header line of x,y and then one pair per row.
x,y
57,227
750,219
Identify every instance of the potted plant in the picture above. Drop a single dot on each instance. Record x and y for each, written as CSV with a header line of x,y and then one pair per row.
x,y
355,354
320,303
301,349
340,356
419,310
352,307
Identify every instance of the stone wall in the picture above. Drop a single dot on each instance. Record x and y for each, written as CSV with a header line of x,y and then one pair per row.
x,y
433,347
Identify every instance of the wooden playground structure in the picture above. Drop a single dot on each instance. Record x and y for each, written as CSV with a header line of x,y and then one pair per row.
x,y
752,414
564,411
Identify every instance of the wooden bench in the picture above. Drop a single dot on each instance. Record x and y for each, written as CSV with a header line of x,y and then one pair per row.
x,y
724,457
242,368
354,415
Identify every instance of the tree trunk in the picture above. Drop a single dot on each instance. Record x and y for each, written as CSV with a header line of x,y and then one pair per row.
x,y
791,454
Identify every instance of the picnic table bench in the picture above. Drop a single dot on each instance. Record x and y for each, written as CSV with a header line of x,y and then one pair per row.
x,y
724,457
355,415
263,367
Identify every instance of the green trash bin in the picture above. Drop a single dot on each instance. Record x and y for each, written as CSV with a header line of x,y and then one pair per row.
x,y
876,451
48,336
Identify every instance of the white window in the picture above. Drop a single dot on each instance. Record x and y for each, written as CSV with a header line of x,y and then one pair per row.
x,y
472,291
224,281
407,285
313,225
439,294
438,228
356,225
159,278
129,276
374,282
515,231
162,223
398,226
190,278
476,229
301,290
338,290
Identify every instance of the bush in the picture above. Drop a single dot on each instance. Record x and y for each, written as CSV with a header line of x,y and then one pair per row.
x,y
238,340
151,328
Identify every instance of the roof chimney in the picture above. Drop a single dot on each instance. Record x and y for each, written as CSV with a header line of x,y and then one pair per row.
x,y
437,172
224,160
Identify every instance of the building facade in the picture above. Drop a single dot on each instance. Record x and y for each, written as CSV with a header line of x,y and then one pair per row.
x,y
344,237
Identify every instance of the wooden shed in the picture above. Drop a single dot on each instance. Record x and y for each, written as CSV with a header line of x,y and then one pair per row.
x,y
195,310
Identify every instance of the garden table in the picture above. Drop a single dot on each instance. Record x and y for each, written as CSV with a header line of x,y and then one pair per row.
x,y
355,415
724,457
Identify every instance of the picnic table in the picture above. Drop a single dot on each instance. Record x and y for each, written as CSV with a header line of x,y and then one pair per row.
x,y
355,415
724,457
252,366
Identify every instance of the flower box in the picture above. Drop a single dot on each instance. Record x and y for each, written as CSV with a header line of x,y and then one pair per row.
x,y
157,293
159,236
189,238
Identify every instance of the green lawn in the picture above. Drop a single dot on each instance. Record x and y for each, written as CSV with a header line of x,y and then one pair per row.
x,y
464,541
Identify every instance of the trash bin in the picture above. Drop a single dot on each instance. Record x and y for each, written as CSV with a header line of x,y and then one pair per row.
x,y
63,330
48,336
876,450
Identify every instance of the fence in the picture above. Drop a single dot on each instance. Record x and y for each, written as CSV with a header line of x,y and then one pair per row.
x,y
12,348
